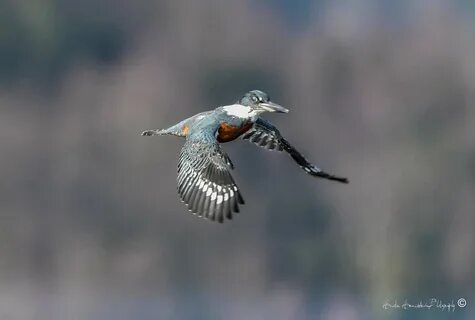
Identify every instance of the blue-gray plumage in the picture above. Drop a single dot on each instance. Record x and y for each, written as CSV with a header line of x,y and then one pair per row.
x,y
205,183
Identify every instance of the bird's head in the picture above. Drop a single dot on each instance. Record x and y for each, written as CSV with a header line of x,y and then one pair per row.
x,y
260,102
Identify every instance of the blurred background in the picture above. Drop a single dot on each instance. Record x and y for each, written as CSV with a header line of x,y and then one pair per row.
x,y
382,92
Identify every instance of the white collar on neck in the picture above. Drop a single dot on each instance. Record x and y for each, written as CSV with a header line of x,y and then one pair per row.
x,y
240,111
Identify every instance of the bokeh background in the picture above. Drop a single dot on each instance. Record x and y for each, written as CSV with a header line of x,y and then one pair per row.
x,y
91,226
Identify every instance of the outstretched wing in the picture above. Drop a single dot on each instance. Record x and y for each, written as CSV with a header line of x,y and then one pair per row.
x,y
204,181
266,135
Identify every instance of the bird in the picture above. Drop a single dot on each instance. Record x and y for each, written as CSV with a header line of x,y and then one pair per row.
x,y
205,183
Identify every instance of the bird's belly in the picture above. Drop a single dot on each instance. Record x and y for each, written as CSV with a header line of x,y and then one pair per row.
x,y
227,132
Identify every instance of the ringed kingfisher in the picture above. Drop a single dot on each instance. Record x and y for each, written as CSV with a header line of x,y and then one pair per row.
x,y
205,183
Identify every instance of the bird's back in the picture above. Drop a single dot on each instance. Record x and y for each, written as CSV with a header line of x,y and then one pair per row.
x,y
228,126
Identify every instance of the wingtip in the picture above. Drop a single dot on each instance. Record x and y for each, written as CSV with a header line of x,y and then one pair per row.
x,y
340,179
344,180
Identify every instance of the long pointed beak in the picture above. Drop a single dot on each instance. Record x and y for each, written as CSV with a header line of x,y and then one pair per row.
x,y
273,107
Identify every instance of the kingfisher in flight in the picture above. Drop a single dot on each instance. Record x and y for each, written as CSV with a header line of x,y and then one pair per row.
x,y
205,183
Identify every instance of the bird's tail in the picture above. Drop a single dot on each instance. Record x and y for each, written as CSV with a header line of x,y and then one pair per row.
x,y
155,132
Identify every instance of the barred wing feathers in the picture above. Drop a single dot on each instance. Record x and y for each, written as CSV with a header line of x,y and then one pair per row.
x,y
268,136
205,184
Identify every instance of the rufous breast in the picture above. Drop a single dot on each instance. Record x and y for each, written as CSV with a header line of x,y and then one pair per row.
x,y
227,132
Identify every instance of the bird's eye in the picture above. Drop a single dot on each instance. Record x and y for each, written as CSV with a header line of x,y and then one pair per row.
x,y
254,99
